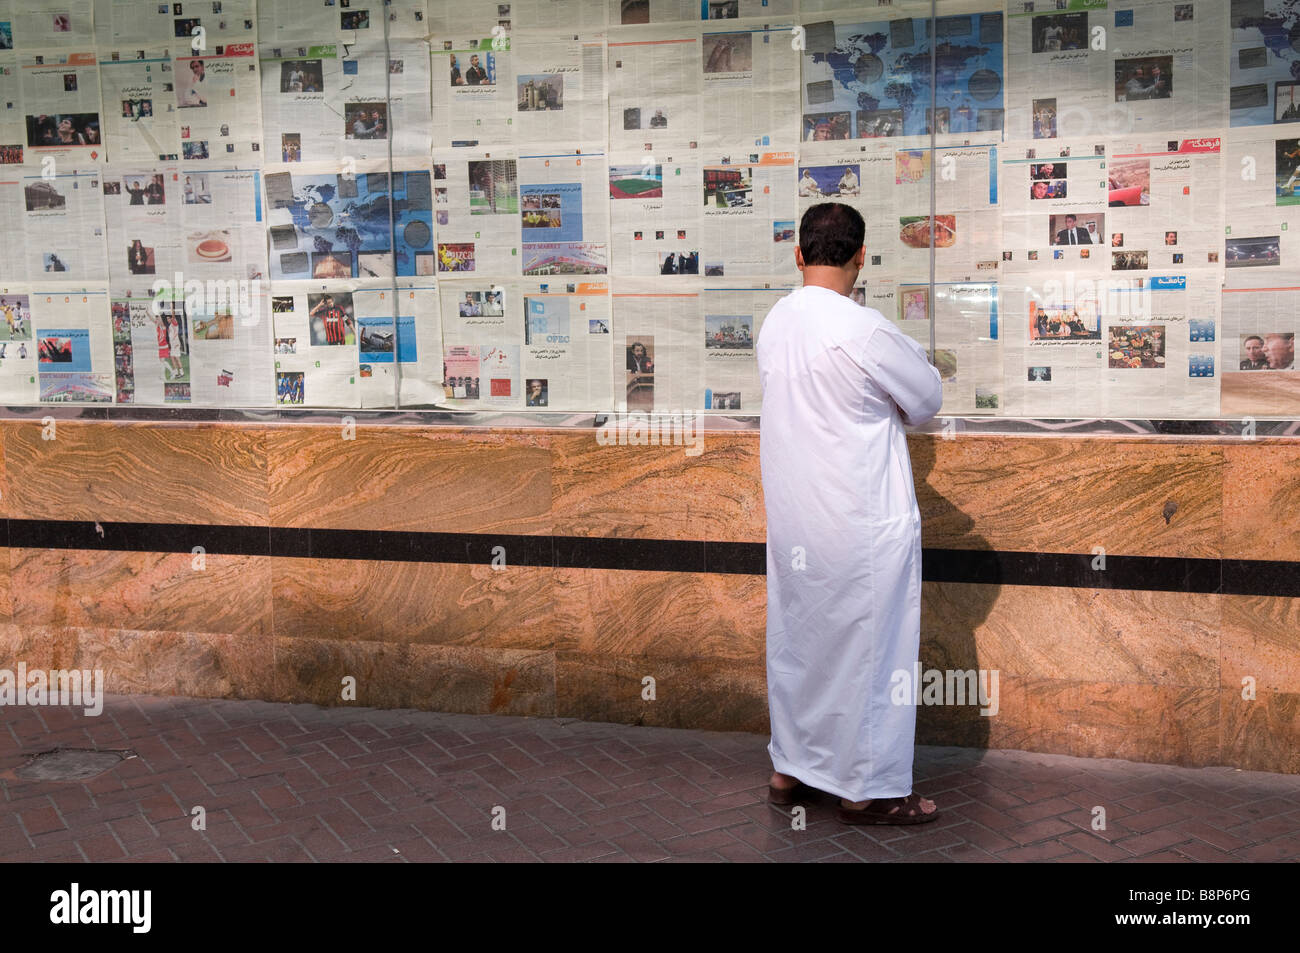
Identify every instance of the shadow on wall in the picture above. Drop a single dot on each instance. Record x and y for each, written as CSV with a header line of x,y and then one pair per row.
x,y
950,614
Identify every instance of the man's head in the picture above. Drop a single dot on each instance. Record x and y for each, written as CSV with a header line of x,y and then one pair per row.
x,y
831,236
473,60
1040,190
1070,221
1254,348
638,350
1280,350
196,67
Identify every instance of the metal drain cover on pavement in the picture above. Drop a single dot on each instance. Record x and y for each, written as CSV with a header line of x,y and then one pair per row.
x,y
71,764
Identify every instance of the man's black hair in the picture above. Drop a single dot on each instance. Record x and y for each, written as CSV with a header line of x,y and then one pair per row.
x,y
831,234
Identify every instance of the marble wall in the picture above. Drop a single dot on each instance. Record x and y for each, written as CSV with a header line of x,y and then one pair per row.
x,y
325,558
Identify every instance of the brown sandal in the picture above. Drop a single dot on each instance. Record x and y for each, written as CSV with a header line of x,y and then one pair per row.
x,y
787,796
888,810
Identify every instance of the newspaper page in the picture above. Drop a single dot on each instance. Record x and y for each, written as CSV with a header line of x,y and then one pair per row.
x,y
476,201
871,79
60,96
28,26
73,346
497,19
749,214
656,347
333,101
331,225
482,339
63,224
630,12
1261,171
178,222
1164,202
549,90
1056,205
196,25
1257,355
567,360
883,183
192,107
191,344
1263,63
732,318
399,334
347,22
17,345
336,341
1102,347
1060,72
472,92
654,92
656,214
563,214
750,78
967,343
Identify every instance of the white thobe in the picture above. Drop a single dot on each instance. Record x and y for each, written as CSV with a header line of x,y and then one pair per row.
x,y
843,540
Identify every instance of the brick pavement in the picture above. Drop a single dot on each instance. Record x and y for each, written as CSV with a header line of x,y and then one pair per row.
x,y
301,783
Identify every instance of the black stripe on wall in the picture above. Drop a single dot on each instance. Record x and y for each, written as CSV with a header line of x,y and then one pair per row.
x,y
986,567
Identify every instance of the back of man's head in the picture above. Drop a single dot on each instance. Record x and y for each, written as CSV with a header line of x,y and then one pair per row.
x,y
831,233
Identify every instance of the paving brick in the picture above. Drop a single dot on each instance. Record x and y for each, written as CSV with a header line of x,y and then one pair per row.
x,y
289,783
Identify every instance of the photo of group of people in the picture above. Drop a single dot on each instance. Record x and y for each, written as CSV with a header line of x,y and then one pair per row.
x,y
289,387
302,76
541,211
1268,352
16,310
365,120
137,109
681,263
1128,260
11,155
1076,228
1060,31
1045,118
1146,77
145,189
70,129
476,73
482,304
829,181
728,332
1252,252
654,118
1135,346
827,127
1063,323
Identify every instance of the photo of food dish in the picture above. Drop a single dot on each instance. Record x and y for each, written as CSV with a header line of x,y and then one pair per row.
x,y
210,246
915,231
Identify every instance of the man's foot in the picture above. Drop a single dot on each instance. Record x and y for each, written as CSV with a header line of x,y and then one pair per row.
x,y
912,809
784,788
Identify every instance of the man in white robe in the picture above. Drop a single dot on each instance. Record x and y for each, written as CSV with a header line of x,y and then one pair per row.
x,y
843,532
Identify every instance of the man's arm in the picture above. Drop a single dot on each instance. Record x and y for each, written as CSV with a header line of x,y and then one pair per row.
x,y
900,366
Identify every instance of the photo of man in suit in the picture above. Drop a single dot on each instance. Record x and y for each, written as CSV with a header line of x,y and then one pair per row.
x,y
1073,234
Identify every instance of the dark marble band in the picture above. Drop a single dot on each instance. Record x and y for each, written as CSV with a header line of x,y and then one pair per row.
x,y
985,567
